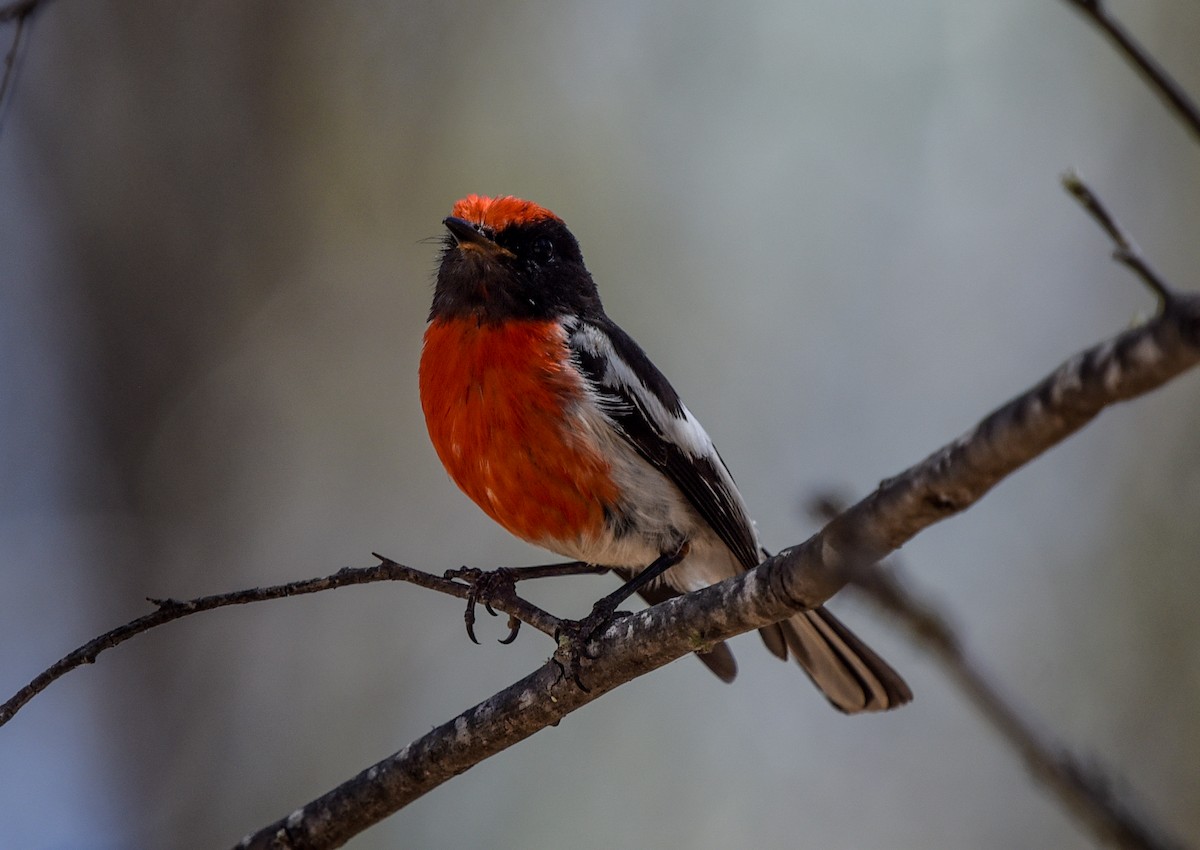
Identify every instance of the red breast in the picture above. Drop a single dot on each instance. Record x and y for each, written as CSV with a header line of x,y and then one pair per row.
x,y
498,401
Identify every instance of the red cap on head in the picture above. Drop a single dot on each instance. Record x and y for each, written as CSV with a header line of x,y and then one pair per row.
x,y
499,213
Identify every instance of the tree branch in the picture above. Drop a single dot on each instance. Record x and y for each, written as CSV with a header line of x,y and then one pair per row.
x,y
173,609
1154,74
947,482
1082,786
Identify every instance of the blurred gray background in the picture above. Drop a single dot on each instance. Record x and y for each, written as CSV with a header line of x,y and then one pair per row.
x,y
836,225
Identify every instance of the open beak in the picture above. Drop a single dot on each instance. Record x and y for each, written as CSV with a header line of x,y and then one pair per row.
x,y
470,239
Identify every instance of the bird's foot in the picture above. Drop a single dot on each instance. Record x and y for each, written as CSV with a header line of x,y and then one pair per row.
x,y
487,587
575,637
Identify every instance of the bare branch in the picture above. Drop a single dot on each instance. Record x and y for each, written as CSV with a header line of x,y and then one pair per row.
x,y
1126,251
1153,73
1082,786
945,483
173,609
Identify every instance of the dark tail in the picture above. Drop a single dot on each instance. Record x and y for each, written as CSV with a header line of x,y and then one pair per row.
x,y
845,669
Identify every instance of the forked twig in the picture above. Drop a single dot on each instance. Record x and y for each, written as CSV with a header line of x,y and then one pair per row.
x,y
174,609
1126,250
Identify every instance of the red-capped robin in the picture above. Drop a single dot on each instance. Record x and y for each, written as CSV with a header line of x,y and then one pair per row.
x,y
555,422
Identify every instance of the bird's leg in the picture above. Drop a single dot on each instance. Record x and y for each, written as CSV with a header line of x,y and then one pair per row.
x,y
661,564
574,635
488,586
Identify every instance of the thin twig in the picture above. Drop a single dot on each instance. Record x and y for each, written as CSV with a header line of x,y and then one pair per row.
x,y
1082,785
1153,73
18,12
1126,250
173,609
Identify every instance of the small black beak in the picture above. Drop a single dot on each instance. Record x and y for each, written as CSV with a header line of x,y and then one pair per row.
x,y
470,239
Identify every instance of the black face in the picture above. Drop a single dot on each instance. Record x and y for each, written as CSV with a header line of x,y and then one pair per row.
x,y
526,271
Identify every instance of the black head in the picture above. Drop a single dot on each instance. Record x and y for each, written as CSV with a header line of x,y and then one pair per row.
x,y
506,258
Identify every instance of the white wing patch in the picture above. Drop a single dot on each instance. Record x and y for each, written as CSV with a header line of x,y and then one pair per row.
x,y
686,432
640,406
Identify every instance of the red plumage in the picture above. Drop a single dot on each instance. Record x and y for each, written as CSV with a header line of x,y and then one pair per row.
x,y
497,401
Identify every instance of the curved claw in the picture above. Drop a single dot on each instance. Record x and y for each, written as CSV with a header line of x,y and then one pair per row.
x,y
483,587
469,618
579,682
573,637
514,626
573,669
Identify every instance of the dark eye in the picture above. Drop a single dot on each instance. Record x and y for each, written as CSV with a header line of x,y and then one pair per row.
x,y
542,250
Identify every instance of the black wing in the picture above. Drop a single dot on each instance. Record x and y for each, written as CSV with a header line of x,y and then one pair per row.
x,y
647,411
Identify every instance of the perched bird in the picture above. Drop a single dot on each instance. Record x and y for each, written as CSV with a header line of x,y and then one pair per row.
x,y
555,422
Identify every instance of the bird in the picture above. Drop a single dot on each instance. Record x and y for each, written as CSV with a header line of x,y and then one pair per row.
x,y
556,423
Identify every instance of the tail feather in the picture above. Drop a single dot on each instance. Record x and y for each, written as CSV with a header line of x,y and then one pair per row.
x,y
850,674
775,640
719,659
